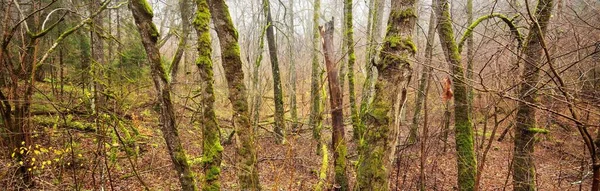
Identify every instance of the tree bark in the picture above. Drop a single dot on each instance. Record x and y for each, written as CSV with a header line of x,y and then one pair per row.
x,y
211,135
142,14
232,64
337,115
316,120
373,37
465,159
424,80
182,45
349,37
394,75
523,164
277,91
293,75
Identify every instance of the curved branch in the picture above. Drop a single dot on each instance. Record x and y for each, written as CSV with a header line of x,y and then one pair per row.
x,y
508,21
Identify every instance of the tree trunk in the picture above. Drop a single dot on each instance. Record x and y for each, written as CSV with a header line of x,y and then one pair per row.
x,y
277,91
394,75
142,14
185,31
424,79
232,64
293,78
470,53
337,115
373,37
349,37
211,146
523,164
465,159
316,120
255,80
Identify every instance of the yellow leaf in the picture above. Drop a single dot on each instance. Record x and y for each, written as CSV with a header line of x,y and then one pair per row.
x,y
33,159
20,162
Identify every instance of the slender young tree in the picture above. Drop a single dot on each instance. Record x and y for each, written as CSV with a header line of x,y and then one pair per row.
x,y
470,52
293,74
142,14
316,120
349,43
277,91
338,142
523,164
394,75
211,139
232,64
184,11
423,80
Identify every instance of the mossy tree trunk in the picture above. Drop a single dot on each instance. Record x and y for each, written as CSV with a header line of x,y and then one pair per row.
x,y
374,26
423,80
394,75
523,164
142,14
316,120
349,43
277,91
232,64
337,113
465,159
211,140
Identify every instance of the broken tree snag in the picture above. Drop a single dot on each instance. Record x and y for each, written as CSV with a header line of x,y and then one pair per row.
x,y
335,100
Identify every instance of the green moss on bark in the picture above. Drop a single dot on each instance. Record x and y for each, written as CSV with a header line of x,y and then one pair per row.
x,y
467,165
394,70
232,65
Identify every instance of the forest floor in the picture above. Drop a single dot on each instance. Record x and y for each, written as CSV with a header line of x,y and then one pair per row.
x,y
76,158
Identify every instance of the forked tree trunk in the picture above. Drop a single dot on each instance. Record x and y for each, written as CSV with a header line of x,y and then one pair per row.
x,y
277,91
337,115
142,14
523,164
394,75
211,136
232,64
